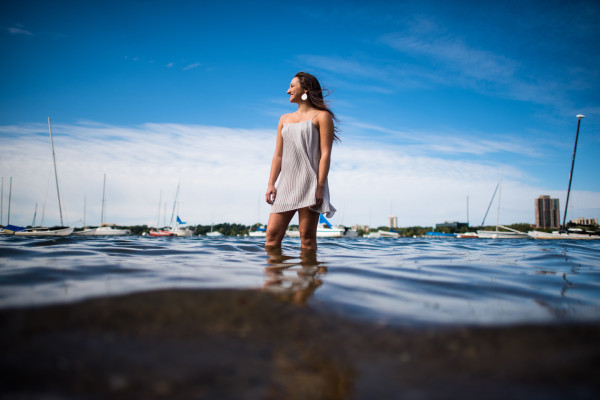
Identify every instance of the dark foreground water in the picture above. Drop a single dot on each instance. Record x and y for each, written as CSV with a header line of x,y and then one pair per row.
x,y
398,281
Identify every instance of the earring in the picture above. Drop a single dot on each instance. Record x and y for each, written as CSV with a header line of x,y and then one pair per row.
x,y
304,96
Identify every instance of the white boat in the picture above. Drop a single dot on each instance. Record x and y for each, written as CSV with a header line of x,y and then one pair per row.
x,y
58,231
509,233
260,231
497,234
570,235
326,229
110,230
383,234
214,234
179,231
54,231
104,229
176,227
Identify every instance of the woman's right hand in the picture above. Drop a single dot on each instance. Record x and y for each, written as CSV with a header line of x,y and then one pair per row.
x,y
271,193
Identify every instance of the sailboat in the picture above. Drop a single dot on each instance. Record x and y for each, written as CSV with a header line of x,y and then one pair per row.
x,y
565,233
104,229
326,229
160,232
176,227
8,229
261,231
509,233
57,230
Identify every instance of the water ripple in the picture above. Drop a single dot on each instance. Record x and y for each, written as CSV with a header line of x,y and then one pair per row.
x,y
401,281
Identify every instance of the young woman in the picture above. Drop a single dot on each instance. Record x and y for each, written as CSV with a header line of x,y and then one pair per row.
x,y
301,163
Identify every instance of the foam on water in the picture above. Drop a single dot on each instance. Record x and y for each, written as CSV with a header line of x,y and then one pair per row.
x,y
399,281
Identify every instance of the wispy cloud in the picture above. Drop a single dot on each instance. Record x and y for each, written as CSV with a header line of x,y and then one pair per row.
x,y
15,30
191,66
456,55
447,143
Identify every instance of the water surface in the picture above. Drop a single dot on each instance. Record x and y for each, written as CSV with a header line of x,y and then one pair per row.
x,y
403,281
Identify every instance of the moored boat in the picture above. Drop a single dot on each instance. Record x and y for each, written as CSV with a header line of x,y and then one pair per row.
x,y
501,235
261,231
326,229
383,234
54,231
568,235
467,235
577,234
160,233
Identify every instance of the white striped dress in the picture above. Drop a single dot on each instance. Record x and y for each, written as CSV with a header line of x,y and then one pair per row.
x,y
297,183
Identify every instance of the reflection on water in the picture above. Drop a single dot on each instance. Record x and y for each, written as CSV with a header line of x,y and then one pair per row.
x,y
400,281
293,279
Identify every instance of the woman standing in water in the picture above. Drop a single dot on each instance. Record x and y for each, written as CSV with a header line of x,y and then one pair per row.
x,y
301,163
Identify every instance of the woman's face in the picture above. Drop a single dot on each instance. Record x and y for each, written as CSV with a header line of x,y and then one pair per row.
x,y
295,91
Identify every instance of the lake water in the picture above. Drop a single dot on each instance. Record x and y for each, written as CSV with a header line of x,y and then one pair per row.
x,y
407,281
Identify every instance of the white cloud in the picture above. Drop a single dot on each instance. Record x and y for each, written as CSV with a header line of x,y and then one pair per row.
x,y
19,31
191,66
224,173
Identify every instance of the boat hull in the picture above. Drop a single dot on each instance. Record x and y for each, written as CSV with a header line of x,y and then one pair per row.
x,y
501,235
161,233
45,232
563,235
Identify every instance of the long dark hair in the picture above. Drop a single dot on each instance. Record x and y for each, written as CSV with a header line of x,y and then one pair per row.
x,y
316,98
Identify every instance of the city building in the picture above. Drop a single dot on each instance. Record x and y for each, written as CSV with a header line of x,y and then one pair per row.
x,y
392,222
454,225
547,213
585,221
364,228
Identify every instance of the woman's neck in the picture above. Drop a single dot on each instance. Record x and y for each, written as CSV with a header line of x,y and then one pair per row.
x,y
304,108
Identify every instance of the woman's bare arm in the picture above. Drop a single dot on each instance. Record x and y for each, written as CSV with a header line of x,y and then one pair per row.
x,y
325,126
275,165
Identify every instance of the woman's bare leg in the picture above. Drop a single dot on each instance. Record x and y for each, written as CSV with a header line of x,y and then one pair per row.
x,y
276,227
308,222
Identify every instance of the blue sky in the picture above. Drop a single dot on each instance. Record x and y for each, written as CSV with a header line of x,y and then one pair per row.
x,y
438,100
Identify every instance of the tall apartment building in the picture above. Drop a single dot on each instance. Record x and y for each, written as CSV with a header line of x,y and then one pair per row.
x,y
547,212
392,222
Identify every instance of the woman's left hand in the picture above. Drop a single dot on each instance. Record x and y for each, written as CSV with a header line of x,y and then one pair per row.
x,y
319,197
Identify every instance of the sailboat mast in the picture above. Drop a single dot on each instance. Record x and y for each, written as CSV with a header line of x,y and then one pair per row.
x,y
34,216
499,195
2,204
159,204
467,211
55,173
103,189
579,117
9,198
175,203
490,205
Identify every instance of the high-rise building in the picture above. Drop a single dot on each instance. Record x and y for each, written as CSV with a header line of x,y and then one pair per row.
x,y
547,212
392,222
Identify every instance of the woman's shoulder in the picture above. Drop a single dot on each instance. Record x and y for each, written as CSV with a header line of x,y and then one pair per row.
x,y
282,118
322,116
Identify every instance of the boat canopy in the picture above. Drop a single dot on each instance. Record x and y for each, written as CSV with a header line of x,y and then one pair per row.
x,y
323,220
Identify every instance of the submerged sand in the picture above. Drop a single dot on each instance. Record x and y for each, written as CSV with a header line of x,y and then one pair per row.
x,y
249,344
